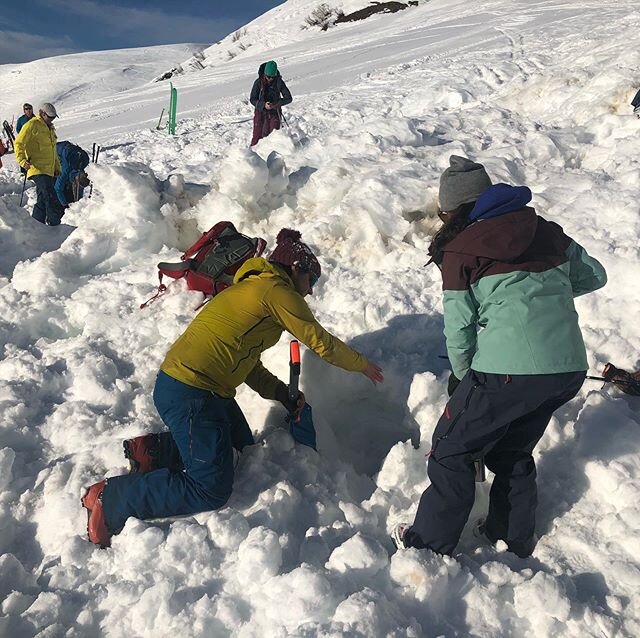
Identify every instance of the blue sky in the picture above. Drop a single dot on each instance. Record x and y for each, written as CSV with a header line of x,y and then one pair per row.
x,y
27,30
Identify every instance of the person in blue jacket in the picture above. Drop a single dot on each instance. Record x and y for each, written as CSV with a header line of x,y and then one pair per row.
x,y
72,181
27,110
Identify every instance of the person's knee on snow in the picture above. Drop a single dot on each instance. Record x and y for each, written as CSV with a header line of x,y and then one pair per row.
x,y
195,388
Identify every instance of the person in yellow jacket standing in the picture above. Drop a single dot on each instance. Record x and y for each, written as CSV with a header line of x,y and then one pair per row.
x,y
35,149
196,385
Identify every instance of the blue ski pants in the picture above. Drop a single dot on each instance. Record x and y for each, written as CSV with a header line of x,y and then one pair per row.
x,y
204,429
496,419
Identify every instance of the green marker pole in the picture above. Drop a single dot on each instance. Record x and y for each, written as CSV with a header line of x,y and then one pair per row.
x,y
173,107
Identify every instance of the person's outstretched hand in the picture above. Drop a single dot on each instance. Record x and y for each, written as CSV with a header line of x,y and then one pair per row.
x,y
374,373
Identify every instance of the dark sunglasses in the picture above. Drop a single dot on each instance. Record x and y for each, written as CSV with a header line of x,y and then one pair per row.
x,y
313,279
28,108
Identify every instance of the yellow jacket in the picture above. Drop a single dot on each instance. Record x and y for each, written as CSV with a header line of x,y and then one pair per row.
x,y
36,143
221,347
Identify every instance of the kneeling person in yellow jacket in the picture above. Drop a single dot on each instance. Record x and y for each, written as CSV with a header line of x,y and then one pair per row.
x,y
195,390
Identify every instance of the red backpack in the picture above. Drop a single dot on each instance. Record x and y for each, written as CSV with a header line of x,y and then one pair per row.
x,y
210,264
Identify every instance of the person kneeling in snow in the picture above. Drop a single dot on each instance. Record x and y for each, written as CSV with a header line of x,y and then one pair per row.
x,y
195,388
269,94
513,340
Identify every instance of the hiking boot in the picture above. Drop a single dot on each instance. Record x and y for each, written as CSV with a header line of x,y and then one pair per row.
x,y
480,532
96,527
398,534
142,453
519,548
523,549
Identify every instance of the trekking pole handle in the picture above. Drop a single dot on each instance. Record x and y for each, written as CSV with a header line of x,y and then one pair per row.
x,y
24,184
632,384
294,369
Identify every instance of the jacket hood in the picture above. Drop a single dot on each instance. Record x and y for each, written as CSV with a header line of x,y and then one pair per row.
x,y
498,200
504,237
260,266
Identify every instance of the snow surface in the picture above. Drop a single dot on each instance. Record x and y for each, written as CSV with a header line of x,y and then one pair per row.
x,y
536,90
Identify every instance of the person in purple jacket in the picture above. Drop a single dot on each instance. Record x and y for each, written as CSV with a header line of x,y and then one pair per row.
x,y
268,94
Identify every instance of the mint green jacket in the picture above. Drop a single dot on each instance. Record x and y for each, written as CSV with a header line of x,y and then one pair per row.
x,y
509,284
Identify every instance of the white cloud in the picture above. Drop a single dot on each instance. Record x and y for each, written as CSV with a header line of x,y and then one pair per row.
x,y
155,24
16,46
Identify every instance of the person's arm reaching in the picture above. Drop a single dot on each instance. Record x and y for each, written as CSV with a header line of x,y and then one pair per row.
x,y
291,311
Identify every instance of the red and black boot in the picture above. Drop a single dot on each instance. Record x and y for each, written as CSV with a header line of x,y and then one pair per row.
x,y
142,453
96,527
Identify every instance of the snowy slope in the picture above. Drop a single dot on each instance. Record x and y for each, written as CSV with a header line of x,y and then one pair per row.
x,y
280,27
69,80
536,90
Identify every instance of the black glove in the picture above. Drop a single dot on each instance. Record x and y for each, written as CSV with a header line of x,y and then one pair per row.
x,y
282,395
452,384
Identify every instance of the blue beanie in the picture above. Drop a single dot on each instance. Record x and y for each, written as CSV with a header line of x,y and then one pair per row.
x,y
271,69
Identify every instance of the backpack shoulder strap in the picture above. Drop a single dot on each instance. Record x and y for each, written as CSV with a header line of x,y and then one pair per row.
x,y
206,238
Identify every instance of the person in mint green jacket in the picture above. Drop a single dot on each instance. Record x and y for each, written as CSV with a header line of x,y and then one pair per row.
x,y
514,343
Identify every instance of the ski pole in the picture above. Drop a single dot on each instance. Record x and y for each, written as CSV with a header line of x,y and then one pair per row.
x,y
160,120
24,184
95,153
631,384
284,119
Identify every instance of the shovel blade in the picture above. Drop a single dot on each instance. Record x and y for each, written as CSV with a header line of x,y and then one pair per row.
x,y
302,430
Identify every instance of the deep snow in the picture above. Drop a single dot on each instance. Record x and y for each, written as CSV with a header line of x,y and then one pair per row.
x,y
536,90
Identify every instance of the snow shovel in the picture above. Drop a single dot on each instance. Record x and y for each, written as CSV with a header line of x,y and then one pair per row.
x,y
301,428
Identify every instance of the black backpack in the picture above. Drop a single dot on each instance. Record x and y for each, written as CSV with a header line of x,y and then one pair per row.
x,y
210,264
